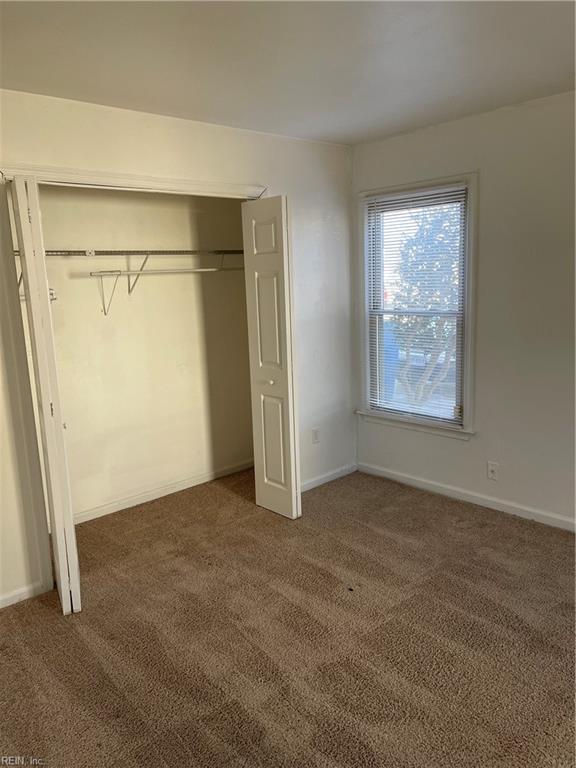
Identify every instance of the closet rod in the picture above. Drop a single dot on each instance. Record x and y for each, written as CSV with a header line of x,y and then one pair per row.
x,y
117,252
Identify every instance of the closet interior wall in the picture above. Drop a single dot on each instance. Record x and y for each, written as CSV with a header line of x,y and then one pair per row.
x,y
156,395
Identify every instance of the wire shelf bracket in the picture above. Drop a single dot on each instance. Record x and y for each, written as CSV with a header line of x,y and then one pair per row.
x,y
107,302
134,275
132,284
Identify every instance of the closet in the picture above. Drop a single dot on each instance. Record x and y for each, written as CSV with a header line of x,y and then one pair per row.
x,y
167,360
153,365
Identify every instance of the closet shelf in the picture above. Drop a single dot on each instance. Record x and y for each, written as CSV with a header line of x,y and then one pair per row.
x,y
148,272
106,302
90,253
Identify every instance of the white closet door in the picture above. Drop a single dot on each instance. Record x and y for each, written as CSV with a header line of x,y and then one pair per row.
x,y
268,298
35,279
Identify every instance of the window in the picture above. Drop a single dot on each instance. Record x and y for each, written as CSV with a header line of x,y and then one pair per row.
x,y
416,249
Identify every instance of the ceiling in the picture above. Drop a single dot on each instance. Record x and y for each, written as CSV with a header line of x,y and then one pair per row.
x,y
334,71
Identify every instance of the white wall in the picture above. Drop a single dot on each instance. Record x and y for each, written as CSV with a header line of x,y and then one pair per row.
x,y
316,179
156,395
524,396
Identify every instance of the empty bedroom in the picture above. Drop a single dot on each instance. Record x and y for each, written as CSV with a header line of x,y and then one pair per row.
x,y
287,417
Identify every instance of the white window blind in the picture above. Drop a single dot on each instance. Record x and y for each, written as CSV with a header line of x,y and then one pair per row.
x,y
416,270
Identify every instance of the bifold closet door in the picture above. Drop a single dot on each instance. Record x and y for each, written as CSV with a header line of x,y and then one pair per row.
x,y
30,243
268,299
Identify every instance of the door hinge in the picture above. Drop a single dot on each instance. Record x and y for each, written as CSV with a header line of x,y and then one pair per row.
x,y
29,215
51,409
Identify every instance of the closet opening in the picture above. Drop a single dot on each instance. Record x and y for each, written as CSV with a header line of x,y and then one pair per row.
x,y
168,361
153,364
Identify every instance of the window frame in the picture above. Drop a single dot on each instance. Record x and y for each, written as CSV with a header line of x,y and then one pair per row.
x,y
415,421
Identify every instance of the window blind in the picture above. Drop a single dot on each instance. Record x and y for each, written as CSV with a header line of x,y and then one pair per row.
x,y
416,262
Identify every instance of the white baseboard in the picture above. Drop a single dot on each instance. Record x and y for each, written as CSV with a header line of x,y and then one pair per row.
x,y
157,493
23,593
181,485
326,478
548,518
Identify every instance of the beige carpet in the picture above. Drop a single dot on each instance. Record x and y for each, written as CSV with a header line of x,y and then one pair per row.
x,y
388,627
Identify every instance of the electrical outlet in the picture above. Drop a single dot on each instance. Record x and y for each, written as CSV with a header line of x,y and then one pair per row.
x,y
316,435
492,470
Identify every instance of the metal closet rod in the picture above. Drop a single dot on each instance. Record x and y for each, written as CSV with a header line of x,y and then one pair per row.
x,y
124,252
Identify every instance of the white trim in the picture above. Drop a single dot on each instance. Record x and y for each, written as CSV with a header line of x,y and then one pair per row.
x,y
328,477
470,180
130,182
157,493
416,190
23,593
418,185
531,513
418,425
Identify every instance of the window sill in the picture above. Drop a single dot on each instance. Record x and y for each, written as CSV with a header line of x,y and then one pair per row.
x,y
439,430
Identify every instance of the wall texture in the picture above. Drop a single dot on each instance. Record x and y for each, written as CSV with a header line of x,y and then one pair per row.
x,y
524,361
316,179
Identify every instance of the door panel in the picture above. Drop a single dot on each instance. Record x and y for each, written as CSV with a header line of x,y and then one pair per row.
x,y
269,324
273,437
268,298
58,498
